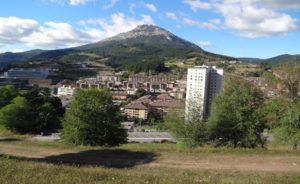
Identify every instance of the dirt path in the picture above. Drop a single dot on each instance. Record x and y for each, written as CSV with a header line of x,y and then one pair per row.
x,y
267,163
233,162
29,151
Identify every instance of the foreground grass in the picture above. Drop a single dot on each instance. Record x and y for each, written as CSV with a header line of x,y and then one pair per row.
x,y
175,148
171,148
6,133
15,171
26,170
3,131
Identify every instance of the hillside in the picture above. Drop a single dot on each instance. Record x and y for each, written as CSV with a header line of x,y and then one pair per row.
x,y
250,60
20,56
284,59
277,60
144,44
147,35
9,57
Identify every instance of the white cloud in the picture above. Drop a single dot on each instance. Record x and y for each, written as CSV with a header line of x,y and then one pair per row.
x,y
212,25
70,2
215,21
171,15
252,20
196,5
289,4
78,2
52,35
249,18
17,50
110,4
58,35
150,7
205,43
118,20
13,29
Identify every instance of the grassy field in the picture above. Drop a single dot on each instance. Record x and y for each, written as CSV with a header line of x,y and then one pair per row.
x,y
53,162
13,171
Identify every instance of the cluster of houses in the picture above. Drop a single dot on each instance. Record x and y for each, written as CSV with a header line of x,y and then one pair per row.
x,y
119,85
122,86
162,92
151,106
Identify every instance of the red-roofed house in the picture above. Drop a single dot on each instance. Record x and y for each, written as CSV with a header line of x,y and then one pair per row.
x,y
137,110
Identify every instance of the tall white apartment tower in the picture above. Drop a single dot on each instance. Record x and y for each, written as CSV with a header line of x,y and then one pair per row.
x,y
203,83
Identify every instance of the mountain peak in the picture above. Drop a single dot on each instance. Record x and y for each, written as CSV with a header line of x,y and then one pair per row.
x,y
147,27
145,30
150,28
149,35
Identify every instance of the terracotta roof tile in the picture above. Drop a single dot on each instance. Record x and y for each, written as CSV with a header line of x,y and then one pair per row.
x,y
137,105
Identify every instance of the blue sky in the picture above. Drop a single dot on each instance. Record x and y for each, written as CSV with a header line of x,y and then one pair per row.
x,y
239,28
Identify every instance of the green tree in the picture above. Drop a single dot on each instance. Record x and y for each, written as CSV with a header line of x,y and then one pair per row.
x,y
7,93
139,93
289,75
35,112
45,110
274,109
236,117
14,116
93,120
265,66
287,129
191,132
47,118
125,75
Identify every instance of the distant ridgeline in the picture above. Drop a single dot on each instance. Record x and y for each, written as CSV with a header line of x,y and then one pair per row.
x,y
278,60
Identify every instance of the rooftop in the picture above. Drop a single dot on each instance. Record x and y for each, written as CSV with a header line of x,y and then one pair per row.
x,y
137,105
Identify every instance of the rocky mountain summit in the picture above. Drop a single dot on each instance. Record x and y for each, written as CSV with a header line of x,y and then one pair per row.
x,y
148,35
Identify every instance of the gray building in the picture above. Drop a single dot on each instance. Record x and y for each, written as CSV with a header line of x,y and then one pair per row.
x,y
26,73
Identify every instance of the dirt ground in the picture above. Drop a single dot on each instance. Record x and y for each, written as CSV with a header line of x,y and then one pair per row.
x,y
235,163
267,163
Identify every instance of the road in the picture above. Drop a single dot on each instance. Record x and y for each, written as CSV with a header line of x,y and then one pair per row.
x,y
141,137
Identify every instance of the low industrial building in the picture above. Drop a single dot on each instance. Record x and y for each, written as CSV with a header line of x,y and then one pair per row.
x,y
26,73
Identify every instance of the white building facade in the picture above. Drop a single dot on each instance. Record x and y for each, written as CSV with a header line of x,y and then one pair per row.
x,y
65,90
203,83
